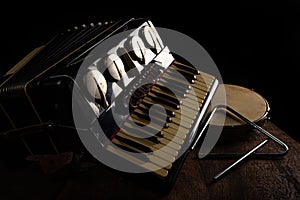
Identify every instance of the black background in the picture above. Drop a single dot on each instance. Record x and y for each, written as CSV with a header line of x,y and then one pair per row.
x,y
253,43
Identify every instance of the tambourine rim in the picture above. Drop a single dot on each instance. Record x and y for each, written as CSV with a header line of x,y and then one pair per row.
x,y
257,121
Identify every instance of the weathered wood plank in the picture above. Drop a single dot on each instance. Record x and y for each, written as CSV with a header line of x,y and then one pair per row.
x,y
253,179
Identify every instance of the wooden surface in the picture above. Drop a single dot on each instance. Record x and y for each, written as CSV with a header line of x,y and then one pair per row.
x,y
252,179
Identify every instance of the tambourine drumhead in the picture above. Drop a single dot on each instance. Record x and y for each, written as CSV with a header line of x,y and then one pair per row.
x,y
245,101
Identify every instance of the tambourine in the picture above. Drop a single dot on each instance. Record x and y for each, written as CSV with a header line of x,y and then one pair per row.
x,y
246,102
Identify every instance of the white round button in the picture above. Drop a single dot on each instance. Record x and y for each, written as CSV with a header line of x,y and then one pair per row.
x,y
138,47
149,36
94,79
115,66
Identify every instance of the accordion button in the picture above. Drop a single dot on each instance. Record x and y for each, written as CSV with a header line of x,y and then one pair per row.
x,y
148,34
115,66
94,80
138,48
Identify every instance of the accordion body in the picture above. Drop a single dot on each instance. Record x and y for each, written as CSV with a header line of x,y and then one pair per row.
x,y
37,98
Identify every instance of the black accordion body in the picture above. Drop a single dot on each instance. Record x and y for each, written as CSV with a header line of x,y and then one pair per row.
x,y
37,98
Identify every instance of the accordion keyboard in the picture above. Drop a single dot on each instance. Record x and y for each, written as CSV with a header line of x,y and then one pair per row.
x,y
164,147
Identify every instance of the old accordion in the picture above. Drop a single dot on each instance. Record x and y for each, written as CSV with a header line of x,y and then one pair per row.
x,y
113,89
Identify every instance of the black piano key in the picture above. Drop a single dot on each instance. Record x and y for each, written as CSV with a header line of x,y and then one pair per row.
x,y
132,143
146,116
165,95
175,83
164,101
148,103
188,76
181,92
146,111
151,131
190,68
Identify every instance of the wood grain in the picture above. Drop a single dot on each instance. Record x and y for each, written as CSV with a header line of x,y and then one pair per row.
x,y
253,179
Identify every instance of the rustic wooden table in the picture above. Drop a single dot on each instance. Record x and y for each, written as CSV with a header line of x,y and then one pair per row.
x,y
252,179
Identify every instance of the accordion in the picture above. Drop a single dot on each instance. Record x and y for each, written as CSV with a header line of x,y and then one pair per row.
x,y
113,89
